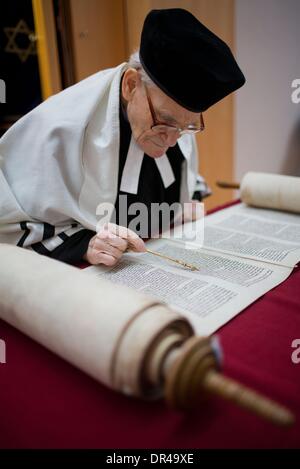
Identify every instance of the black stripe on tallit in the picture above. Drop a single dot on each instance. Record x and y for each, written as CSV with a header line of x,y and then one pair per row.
x,y
23,225
63,236
49,231
41,249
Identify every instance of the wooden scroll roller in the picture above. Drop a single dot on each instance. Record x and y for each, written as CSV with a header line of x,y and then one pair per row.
x,y
126,340
228,185
193,372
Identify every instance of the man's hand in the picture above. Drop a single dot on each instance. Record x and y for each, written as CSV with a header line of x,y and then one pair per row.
x,y
108,245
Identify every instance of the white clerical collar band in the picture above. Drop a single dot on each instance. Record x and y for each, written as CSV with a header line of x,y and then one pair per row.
x,y
133,166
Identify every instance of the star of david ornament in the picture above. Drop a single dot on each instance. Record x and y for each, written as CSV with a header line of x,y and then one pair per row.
x,y
12,45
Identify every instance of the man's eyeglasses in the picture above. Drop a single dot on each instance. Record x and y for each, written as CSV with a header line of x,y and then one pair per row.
x,y
159,127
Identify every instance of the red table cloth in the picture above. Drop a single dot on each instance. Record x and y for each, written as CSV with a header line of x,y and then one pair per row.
x,y
47,403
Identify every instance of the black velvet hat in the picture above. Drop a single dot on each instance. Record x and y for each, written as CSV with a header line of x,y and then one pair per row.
x,y
186,60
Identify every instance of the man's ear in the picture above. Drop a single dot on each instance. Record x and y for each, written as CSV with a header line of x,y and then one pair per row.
x,y
129,83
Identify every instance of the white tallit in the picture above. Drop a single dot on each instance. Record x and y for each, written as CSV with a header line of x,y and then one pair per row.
x,y
60,161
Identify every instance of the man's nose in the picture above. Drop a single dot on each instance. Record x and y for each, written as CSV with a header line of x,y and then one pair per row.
x,y
171,138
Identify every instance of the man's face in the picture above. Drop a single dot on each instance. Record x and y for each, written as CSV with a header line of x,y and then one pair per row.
x,y
153,142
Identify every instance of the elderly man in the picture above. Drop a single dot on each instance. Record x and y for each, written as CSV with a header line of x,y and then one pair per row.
x,y
121,136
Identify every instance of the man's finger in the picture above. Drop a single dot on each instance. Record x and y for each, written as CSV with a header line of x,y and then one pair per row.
x,y
106,259
134,241
113,240
105,247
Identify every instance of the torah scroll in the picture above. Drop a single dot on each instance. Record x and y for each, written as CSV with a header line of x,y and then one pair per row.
x,y
126,340
271,191
102,329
